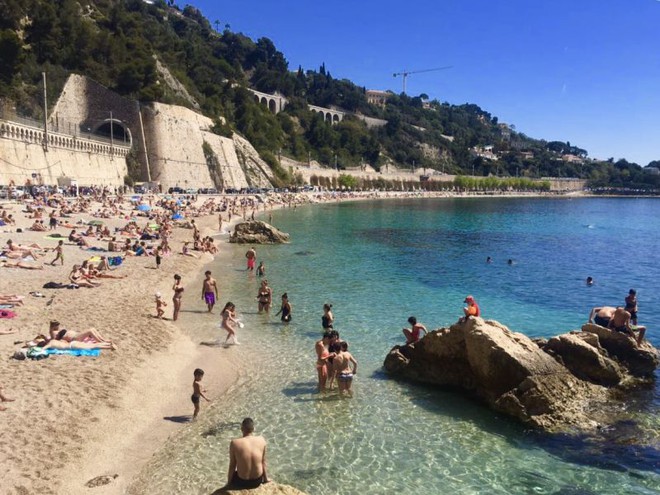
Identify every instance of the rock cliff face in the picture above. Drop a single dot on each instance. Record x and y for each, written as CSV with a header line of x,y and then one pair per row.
x,y
176,139
173,144
553,385
256,232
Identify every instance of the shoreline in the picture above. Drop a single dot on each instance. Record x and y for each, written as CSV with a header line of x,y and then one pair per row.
x,y
164,407
121,425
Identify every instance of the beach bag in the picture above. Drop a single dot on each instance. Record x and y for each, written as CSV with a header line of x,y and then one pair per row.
x,y
53,285
115,260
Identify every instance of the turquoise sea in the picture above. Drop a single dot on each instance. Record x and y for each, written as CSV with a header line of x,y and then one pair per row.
x,y
379,262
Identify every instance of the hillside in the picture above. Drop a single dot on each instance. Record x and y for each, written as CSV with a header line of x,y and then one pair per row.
x,y
164,53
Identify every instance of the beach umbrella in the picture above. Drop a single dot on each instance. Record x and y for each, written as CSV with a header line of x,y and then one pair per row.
x,y
144,207
177,216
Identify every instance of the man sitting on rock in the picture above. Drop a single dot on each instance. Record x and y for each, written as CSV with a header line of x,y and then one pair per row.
x,y
620,322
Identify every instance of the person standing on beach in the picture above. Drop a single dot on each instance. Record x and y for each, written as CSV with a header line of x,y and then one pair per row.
x,y
197,391
160,304
209,290
52,221
247,459
631,305
178,295
251,256
219,222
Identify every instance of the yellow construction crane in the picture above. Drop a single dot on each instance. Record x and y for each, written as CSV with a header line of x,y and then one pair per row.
x,y
406,73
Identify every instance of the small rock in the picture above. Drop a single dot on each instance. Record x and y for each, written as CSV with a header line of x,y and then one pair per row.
x,y
101,480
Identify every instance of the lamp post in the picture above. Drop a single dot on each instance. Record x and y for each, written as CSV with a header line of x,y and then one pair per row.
x,y
336,166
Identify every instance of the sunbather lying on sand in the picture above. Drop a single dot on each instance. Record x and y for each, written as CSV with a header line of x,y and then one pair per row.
x,y
61,344
21,264
78,239
15,251
11,299
89,336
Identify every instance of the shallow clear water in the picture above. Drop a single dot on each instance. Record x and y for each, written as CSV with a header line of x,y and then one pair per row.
x,y
379,262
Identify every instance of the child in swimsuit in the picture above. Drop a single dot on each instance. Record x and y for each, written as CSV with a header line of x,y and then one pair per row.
x,y
197,391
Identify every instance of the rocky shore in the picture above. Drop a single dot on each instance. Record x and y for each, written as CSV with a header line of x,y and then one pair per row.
x,y
560,384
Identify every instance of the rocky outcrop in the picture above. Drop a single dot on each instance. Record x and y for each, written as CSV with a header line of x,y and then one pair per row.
x,y
271,488
583,355
639,361
257,232
552,384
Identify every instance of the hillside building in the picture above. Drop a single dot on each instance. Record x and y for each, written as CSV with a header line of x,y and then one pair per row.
x,y
377,97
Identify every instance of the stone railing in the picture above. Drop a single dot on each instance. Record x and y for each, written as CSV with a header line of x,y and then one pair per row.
x,y
31,134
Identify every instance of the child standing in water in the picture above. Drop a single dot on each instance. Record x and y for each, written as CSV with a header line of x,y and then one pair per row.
x,y
197,391
229,317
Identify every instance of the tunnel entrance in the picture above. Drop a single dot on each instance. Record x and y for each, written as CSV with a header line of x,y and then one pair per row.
x,y
115,128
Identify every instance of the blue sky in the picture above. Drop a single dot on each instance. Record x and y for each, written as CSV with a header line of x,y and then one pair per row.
x,y
584,71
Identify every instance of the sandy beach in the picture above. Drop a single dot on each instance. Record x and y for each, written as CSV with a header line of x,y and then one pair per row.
x,y
77,418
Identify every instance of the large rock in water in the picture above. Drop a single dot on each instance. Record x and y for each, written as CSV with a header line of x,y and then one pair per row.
x,y
257,232
554,386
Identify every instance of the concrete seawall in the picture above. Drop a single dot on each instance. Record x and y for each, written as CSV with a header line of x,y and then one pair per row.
x,y
23,157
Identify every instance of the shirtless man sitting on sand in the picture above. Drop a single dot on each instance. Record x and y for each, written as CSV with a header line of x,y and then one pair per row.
x,y
247,459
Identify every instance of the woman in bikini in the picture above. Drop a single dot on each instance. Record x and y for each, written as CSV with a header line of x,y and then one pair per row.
x,y
59,344
322,356
178,294
264,296
76,277
229,317
89,336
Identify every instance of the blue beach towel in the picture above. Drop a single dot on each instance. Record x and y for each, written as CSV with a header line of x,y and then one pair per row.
x,y
73,352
